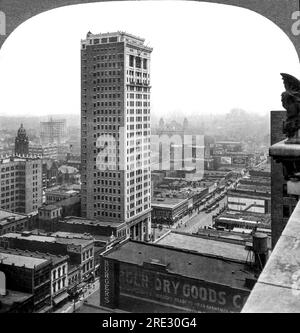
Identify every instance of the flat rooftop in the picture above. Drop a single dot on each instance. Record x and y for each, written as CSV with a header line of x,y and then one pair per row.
x,y
20,260
79,220
251,194
167,202
208,246
12,297
55,259
228,235
183,262
61,192
47,239
228,142
8,217
63,234
245,216
266,167
19,158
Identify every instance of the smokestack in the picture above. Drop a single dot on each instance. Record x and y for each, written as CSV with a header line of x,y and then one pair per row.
x,y
260,249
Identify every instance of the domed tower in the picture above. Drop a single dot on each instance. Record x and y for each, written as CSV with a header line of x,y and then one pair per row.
x,y
21,142
161,124
185,124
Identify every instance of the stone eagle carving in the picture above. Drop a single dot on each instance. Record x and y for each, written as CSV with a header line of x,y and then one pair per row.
x,y
291,102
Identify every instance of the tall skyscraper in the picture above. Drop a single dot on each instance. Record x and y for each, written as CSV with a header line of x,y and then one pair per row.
x,y
21,142
115,131
53,131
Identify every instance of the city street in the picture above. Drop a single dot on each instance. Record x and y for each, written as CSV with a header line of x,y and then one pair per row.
x,y
88,291
192,223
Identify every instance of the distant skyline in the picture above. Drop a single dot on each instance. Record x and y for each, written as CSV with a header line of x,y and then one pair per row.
x,y
207,58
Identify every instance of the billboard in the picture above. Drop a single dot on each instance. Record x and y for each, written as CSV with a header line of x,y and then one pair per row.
x,y
179,291
226,160
240,160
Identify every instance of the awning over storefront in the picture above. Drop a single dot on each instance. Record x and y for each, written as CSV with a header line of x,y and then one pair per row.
x,y
60,298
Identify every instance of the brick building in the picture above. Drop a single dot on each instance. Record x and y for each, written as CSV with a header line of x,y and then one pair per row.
x,y
10,222
168,210
145,277
16,302
92,227
28,274
80,251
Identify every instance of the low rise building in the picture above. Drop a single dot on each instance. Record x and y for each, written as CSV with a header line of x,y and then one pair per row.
x,y
49,172
80,251
246,220
47,151
93,227
50,215
59,276
10,222
168,210
16,302
246,199
68,175
28,274
57,194
145,277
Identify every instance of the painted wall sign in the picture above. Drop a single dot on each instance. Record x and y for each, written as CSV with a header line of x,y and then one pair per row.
x,y
108,283
174,290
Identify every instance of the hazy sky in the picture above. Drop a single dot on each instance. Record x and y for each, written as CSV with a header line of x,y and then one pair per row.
x,y
207,58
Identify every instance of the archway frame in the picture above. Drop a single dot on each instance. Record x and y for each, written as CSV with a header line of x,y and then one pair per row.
x,y
284,13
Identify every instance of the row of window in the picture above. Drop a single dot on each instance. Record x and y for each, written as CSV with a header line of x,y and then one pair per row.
x,y
17,167
106,73
104,88
105,104
58,285
107,198
87,266
107,206
87,254
107,214
60,271
137,88
106,96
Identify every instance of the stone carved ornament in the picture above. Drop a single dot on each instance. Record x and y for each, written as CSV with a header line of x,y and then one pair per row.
x,y
291,102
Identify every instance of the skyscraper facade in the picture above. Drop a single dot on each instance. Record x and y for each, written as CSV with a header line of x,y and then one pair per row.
x,y
21,184
53,131
115,131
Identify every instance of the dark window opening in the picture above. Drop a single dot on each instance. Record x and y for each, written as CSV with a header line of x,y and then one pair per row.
x,y
131,60
138,62
145,63
286,211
